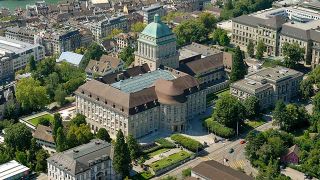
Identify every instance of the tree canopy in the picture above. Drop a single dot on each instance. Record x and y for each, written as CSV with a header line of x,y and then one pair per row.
x,y
250,48
261,48
94,51
134,147
103,135
138,27
127,55
121,160
238,70
293,54
18,136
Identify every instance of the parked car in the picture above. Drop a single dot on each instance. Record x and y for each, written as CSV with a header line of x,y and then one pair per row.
x,y
242,141
231,150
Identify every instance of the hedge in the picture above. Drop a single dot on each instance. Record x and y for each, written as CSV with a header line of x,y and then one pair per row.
x,y
165,143
187,142
170,160
150,150
219,129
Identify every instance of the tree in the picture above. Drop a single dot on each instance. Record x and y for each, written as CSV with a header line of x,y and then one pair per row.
x,y
127,55
229,111
114,33
94,51
11,110
293,54
78,120
103,135
306,88
229,5
186,172
18,136
238,70
32,63
134,147
44,121
44,68
60,140
208,20
22,158
138,27
31,95
80,50
78,135
250,48
60,96
52,83
41,165
261,48
34,148
57,123
316,103
121,160
279,114
224,40
252,106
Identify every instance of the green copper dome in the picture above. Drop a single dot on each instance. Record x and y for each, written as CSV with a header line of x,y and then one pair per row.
x,y
157,29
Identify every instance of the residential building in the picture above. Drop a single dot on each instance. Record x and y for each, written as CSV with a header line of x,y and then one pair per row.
x,y
20,34
13,170
44,137
106,65
157,46
15,55
150,11
6,96
126,39
71,58
292,156
139,101
104,28
88,161
213,170
268,85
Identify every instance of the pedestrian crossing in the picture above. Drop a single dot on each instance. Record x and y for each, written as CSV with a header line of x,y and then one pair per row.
x,y
237,164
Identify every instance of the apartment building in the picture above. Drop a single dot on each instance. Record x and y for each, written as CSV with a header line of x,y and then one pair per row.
x,y
106,65
126,40
139,101
269,85
20,34
150,11
89,161
104,28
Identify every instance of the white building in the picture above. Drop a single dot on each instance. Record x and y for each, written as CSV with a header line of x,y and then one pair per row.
x,y
13,170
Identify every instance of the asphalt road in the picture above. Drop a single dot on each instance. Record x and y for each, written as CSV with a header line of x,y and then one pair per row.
x,y
219,151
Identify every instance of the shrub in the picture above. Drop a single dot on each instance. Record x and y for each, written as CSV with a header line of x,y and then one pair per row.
x,y
187,142
186,172
150,150
170,160
165,143
218,128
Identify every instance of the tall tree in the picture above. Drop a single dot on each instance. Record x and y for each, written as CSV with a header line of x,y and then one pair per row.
x,y
293,54
138,27
229,111
60,140
95,51
250,48
103,135
134,147
208,20
57,123
41,165
32,63
121,160
261,48
78,120
316,103
279,114
127,55
60,96
18,136
238,70
252,106
31,95
21,157
306,88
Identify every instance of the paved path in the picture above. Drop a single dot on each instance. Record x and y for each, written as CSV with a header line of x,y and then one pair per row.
x,y
162,155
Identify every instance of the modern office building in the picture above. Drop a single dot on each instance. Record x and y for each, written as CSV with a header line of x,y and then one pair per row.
x,y
157,46
89,161
139,101
150,11
268,85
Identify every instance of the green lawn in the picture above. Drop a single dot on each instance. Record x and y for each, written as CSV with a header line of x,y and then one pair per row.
x,y
159,151
143,176
255,123
272,63
170,160
35,121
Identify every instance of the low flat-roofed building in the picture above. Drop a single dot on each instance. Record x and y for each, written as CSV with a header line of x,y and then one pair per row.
x,y
213,170
71,58
269,85
13,170
106,65
88,161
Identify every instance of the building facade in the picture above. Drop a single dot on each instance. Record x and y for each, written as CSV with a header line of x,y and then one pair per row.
x,y
89,161
268,85
151,11
139,101
13,170
157,46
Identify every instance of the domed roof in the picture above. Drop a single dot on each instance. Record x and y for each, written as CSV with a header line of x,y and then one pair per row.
x,y
157,29
169,93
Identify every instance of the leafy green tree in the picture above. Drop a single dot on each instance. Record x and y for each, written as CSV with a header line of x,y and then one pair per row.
x,y
32,63
261,48
51,83
34,148
186,172
60,96
81,50
22,158
80,134
191,31
94,51
138,27
238,70
252,106
127,55
31,95
121,160
306,88
103,135
229,111
293,54
208,20
44,68
11,110
18,136
169,178
134,147
229,5
78,120
44,121
224,40
221,37
114,32
41,157
279,114
57,123
316,103
60,140
250,48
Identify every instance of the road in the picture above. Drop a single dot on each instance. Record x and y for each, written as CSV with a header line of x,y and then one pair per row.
x,y
219,151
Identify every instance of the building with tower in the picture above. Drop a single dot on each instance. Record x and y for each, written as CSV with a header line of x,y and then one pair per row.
x,y
157,46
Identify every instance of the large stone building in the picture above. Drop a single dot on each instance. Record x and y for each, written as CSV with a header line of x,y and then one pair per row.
x,y
157,46
89,161
275,27
139,101
268,85
150,11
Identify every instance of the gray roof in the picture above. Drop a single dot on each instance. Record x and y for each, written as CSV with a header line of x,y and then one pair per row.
x,y
248,20
76,160
295,32
315,35
14,46
274,22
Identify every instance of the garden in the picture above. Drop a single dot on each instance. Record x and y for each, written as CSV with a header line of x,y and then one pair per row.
x,y
187,142
43,119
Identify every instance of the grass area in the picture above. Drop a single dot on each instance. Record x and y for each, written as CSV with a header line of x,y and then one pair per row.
x,y
255,123
35,121
271,63
170,160
159,151
143,176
